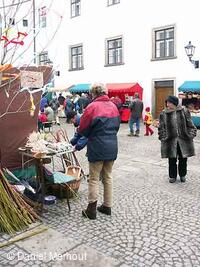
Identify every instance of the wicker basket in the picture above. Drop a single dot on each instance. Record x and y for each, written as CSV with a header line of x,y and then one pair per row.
x,y
62,190
70,188
73,186
74,171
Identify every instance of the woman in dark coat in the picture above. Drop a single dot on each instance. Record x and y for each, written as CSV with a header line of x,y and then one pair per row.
x,y
176,132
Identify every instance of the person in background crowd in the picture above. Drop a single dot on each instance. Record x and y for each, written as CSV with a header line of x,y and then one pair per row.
x,y
61,109
54,104
83,101
176,132
49,113
43,102
68,105
136,108
75,102
148,121
100,123
118,102
42,117
61,99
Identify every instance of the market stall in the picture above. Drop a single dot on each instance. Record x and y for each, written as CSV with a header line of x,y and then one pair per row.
x,y
125,91
189,93
80,88
43,151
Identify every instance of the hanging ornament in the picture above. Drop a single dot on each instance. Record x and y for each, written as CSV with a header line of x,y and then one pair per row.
x,y
7,94
17,39
32,108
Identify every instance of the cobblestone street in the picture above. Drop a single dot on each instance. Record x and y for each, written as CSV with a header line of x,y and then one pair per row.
x,y
153,222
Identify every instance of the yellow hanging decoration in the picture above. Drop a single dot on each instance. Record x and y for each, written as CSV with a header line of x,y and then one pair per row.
x,y
32,108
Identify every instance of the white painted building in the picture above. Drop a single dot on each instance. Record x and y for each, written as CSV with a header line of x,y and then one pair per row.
x,y
146,41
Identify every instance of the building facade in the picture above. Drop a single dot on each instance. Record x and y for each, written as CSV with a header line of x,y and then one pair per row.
x,y
119,41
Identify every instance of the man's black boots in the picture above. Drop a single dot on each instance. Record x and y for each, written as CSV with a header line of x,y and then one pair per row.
x,y
91,211
104,209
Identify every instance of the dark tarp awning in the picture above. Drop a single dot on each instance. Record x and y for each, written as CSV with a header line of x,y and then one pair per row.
x,y
15,120
80,88
121,89
190,86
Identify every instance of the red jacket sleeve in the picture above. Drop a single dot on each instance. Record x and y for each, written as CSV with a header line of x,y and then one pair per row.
x,y
86,121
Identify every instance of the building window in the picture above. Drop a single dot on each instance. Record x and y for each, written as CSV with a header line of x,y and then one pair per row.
x,y
163,43
43,17
44,58
76,57
25,22
114,52
164,84
113,2
75,8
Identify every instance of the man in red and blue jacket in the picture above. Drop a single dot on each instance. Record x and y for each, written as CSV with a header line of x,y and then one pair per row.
x,y
100,123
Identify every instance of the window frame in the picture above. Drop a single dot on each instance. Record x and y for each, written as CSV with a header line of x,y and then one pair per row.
x,y
107,49
112,2
45,58
154,42
75,12
25,22
78,58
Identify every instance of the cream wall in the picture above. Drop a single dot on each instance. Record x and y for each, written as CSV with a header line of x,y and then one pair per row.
x,y
134,20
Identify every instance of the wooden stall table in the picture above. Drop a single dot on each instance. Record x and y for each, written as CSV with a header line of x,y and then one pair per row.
x,y
39,163
40,160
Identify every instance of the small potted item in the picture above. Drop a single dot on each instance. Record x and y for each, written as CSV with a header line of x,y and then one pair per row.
x,y
49,200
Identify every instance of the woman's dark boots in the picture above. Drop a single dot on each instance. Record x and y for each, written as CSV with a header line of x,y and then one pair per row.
x,y
91,211
104,209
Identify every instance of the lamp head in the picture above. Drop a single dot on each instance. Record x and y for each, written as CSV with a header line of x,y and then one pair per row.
x,y
189,50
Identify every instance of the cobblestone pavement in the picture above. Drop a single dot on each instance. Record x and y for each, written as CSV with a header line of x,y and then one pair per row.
x,y
153,223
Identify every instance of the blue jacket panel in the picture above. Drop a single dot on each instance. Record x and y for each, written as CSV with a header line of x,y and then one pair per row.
x,y
79,141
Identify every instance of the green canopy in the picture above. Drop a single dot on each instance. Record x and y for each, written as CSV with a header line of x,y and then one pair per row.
x,y
190,86
80,88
